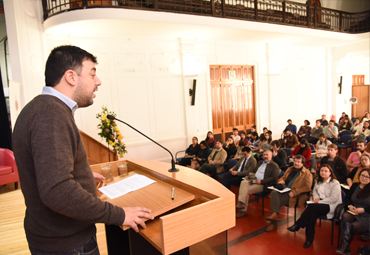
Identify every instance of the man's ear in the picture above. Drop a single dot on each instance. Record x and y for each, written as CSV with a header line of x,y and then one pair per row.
x,y
71,77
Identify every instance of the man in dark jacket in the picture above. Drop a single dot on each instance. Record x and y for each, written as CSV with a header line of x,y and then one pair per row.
x,y
338,164
278,154
266,172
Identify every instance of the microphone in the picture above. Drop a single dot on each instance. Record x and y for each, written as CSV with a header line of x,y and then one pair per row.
x,y
173,169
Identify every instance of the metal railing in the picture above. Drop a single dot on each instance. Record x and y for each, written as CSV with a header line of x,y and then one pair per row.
x,y
269,11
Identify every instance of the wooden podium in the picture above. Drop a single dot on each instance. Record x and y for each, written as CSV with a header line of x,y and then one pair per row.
x,y
202,207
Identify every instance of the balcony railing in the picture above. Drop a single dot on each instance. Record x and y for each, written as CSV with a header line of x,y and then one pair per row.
x,y
269,11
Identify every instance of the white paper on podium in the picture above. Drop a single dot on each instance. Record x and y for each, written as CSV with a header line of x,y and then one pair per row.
x,y
125,186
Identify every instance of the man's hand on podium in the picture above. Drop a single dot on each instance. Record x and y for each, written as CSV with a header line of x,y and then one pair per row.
x,y
134,215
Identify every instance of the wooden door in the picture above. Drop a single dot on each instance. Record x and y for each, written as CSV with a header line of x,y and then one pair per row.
x,y
362,93
232,99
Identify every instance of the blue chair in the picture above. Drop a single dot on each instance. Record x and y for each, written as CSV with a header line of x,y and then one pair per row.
x,y
178,159
288,154
345,132
261,195
353,120
323,217
345,142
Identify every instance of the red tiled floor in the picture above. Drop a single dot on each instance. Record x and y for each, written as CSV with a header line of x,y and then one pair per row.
x,y
248,236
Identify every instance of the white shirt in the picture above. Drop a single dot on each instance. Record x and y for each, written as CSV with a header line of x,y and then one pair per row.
x,y
321,188
260,174
53,92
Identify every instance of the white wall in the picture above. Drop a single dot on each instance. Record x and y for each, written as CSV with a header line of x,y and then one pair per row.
x,y
145,79
343,5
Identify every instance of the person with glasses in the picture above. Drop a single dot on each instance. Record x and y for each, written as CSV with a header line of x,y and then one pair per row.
x,y
354,174
356,218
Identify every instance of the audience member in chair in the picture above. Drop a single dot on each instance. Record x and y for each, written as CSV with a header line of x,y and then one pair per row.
x,y
254,142
291,127
210,140
216,161
324,121
322,146
244,166
336,163
354,158
299,180
278,154
363,132
331,131
366,117
244,138
235,136
230,148
264,131
190,152
304,131
315,132
289,140
239,152
326,196
264,145
345,124
354,174
357,125
342,117
252,130
201,158
267,172
303,149
358,203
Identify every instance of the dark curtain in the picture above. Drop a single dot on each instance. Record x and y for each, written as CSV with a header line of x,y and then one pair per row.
x,y
5,129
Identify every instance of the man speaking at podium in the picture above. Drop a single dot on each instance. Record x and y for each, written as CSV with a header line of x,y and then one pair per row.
x,y
56,179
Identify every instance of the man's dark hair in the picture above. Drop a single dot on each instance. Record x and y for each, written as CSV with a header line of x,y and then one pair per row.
x,y
62,59
299,156
242,143
276,143
332,121
235,129
247,149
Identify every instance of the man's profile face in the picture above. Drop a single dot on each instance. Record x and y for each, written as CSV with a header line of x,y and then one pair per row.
x,y
332,152
361,146
88,83
267,156
245,154
331,124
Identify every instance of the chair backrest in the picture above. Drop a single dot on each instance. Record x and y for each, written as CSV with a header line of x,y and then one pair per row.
x,y
345,139
345,132
288,151
312,147
6,157
343,196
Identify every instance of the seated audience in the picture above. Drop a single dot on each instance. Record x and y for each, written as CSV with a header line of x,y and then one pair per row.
x,y
299,180
264,131
291,126
201,158
264,144
254,142
354,158
278,154
230,148
235,136
304,131
358,203
336,163
322,145
266,173
245,165
244,138
210,140
366,117
326,196
324,121
354,174
239,152
357,125
345,124
216,159
315,132
366,112
289,140
190,152
331,131
342,117
363,132
303,149
251,131
333,118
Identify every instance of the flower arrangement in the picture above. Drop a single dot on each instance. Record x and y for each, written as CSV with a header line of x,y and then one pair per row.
x,y
110,132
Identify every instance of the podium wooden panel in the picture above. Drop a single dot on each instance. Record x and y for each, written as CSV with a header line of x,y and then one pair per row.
x,y
202,207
